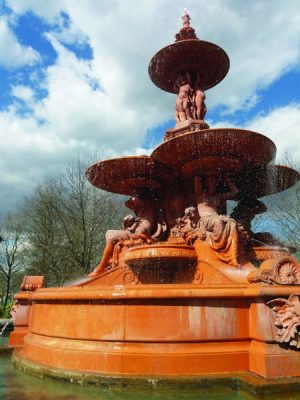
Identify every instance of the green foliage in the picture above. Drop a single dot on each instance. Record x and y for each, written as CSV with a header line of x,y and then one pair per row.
x,y
5,310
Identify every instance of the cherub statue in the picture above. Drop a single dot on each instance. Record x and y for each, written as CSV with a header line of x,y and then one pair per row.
x,y
199,100
184,98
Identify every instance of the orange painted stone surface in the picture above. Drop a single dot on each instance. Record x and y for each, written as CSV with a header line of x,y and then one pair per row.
x,y
21,309
162,330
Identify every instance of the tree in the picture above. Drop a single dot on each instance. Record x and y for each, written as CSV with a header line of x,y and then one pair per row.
x,y
12,255
286,212
283,216
66,223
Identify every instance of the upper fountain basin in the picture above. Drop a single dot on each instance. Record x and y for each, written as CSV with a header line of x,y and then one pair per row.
x,y
196,56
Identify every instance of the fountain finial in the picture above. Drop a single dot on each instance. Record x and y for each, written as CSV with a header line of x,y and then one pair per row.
x,y
186,32
186,18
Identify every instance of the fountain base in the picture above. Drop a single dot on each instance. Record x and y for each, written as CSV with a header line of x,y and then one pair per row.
x,y
156,331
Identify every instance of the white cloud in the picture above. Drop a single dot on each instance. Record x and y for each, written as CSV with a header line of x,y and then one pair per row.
x,y
261,38
47,10
24,93
12,53
282,125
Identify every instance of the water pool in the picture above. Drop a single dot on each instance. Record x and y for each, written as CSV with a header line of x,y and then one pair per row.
x,y
16,385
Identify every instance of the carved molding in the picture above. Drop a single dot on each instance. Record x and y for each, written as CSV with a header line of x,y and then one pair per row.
x,y
284,271
287,320
183,254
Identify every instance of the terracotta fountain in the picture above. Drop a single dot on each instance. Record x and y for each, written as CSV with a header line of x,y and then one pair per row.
x,y
182,289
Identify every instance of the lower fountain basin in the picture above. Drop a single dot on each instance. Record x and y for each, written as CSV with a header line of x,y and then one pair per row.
x,y
133,175
154,331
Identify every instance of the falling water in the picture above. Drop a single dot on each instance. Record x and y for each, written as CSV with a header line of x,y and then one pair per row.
x,y
5,326
271,179
77,281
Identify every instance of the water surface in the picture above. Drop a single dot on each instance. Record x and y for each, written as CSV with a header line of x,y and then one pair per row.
x,y
15,385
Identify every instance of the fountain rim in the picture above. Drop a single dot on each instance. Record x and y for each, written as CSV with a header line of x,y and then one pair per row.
x,y
217,129
150,291
116,183
210,131
118,158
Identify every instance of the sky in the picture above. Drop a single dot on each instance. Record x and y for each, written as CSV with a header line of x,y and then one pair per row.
x,y
74,79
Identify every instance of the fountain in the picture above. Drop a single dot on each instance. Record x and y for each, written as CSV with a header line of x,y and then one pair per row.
x,y
183,290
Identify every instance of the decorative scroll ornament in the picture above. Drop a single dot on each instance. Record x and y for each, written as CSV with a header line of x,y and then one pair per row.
x,y
198,277
129,278
287,320
285,271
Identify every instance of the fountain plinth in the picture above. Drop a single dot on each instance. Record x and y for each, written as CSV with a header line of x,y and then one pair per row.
x,y
183,289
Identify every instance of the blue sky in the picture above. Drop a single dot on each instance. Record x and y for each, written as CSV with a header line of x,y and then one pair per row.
x,y
73,79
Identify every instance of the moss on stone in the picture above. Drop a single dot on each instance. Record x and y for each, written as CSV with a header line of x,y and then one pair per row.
x,y
246,382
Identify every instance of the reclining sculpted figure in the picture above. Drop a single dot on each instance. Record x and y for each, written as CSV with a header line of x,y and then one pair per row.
x,y
220,232
137,230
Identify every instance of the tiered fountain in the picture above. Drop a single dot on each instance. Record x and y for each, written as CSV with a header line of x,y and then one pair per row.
x,y
183,289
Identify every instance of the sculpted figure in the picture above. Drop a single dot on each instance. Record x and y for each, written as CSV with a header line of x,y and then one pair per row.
x,y
199,100
190,101
184,99
218,231
174,203
191,218
186,223
139,228
209,201
186,18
